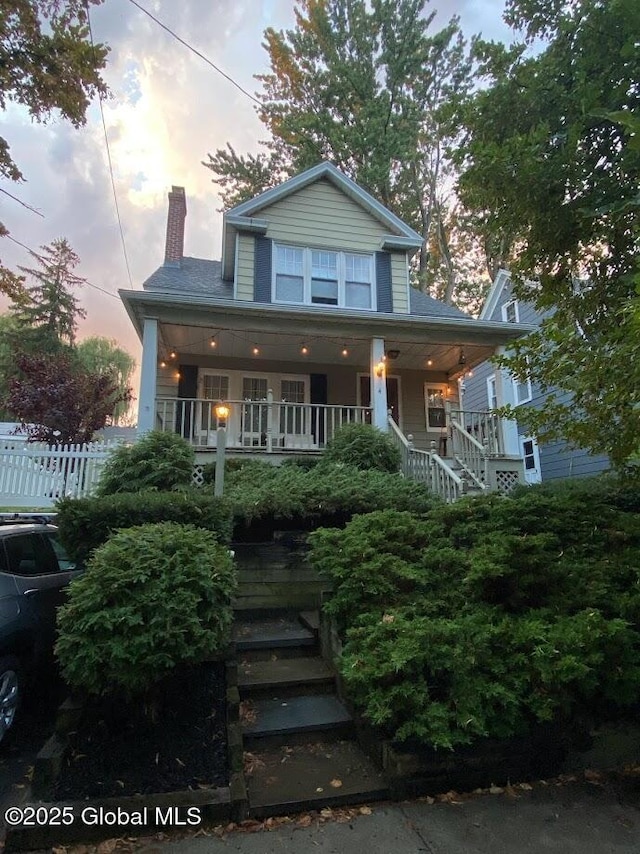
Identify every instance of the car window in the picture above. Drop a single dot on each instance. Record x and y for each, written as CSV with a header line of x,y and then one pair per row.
x,y
64,561
29,554
4,567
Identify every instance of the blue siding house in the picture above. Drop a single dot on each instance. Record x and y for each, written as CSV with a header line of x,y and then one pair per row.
x,y
488,387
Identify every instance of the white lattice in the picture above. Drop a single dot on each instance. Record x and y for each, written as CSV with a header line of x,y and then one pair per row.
x,y
198,475
506,480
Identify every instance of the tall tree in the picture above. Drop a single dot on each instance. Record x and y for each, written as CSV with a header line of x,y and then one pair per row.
x,y
369,87
102,356
553,165
47,64
49,309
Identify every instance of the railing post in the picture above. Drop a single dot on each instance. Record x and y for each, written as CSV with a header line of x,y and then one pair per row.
x,y
269,420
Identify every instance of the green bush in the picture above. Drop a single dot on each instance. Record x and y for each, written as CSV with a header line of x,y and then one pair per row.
x,y
363,447
482,617
162,461
327,494
153,598
86,523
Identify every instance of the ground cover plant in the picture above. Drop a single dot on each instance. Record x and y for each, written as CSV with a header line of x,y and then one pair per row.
x,y
484,617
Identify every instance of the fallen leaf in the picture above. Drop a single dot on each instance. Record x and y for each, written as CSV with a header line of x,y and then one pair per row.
x,y
594,777
180,762
326,813
365,811
304,821
336,784
525,786
319,789
496,790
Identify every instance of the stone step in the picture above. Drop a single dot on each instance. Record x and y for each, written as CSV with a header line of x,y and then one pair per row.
x,y
285,677
276,636
296,778
292,720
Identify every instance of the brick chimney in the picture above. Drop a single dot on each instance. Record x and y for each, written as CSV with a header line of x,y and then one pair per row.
x,y
174,245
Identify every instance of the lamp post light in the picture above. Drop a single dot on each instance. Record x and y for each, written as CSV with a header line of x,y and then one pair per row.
x,y
222,414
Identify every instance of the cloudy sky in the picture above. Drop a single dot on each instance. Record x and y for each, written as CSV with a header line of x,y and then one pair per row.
x,y
167,110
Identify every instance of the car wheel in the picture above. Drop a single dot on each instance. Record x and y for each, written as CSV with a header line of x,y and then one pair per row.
x,y
10,692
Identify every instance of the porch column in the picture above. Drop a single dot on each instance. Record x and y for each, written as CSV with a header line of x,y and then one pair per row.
x,y
378,386
148,376
504,394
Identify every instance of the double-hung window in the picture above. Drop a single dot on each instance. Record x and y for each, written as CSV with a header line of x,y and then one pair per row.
x,y
321,277
522,390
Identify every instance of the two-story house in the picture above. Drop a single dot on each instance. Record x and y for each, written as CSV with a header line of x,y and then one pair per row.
x,y
489,387
307,322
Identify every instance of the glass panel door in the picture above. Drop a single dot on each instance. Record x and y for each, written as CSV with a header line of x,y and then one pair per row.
x,y
434,399
254,412
213,387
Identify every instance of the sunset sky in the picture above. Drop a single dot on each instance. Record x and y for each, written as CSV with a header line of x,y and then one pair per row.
x,y
167,110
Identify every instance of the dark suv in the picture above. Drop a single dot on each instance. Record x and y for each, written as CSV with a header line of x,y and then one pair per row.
x,y
34,570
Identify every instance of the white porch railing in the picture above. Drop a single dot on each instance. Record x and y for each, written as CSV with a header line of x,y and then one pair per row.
x,y
36,475
483,426
427,467
265,425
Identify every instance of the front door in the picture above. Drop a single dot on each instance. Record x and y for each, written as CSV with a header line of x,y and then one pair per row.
x,y
435,396
215,388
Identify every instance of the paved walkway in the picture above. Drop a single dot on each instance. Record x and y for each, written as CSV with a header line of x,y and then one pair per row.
x,y
598,817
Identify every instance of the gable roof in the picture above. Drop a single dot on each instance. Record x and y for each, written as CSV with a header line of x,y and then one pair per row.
x,y
492,300
246,215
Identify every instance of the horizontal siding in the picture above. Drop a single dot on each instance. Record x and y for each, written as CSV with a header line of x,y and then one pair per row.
x,y
245,265
167,382
321,215
399,282
557,461
475,388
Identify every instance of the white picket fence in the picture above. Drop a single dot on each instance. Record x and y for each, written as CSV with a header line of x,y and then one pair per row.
x,y
36,475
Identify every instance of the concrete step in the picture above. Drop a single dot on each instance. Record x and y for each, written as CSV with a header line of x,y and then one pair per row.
x,y
278,635
309,776
292,721
285,677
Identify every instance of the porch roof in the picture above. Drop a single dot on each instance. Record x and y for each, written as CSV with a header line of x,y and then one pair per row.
x,y
203,312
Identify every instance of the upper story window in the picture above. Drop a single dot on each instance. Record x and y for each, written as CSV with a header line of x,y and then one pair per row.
x,y
510,311
492,392
320,277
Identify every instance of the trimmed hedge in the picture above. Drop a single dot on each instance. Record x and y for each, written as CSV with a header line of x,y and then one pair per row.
x,y
326,494
363,447
153,597
484,617
86,523
162,461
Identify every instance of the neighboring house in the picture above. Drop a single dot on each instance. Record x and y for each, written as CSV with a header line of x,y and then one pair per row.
x,y
307,322
490,387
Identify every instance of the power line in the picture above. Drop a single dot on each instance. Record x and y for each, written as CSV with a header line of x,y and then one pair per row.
x,y
197,52
113,183
85,281
20,202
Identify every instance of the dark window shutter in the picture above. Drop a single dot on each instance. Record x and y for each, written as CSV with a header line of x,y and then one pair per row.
x,y
187,388
262,270
383,282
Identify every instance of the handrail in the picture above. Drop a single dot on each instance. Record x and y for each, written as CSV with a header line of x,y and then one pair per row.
x,y
427,467
469,453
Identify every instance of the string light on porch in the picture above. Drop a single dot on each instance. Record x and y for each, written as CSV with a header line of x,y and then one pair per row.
x,y
255,350
213,343
304,350
429,363
173,355
345,352
163,364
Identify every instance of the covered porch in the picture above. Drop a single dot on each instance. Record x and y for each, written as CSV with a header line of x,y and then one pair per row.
x,y
291,377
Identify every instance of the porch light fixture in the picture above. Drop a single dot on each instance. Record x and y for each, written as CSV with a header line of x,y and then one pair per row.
x,y
380,369
256,350
462,359
345,352
392,354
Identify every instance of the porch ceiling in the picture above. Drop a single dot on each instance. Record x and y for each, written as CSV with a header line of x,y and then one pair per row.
x,y
187,323
281,347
